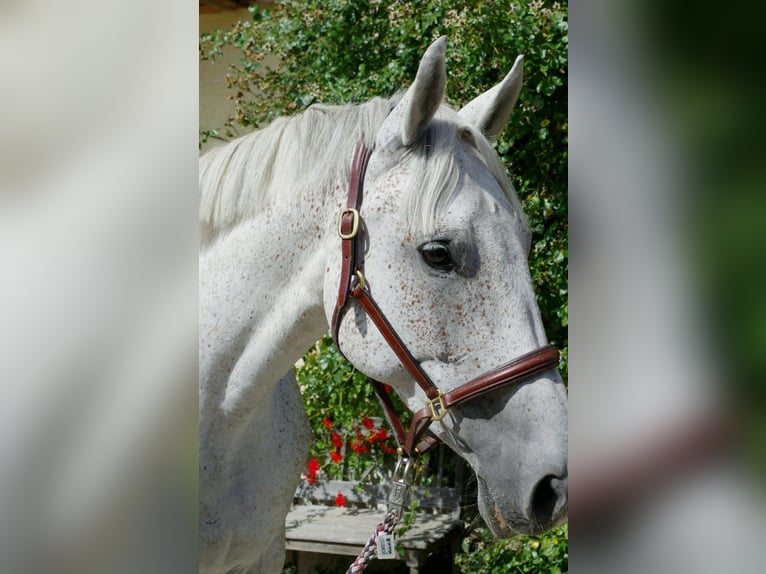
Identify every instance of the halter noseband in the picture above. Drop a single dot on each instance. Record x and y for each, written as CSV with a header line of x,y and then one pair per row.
x,y
353,284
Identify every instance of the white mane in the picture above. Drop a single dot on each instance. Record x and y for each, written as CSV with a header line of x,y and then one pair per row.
x,y
309,152
435,174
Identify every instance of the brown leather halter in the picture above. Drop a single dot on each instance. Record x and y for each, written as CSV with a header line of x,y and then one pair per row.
x,y
353,284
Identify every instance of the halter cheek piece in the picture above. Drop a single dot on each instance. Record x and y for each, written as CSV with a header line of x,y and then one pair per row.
x,y
353,284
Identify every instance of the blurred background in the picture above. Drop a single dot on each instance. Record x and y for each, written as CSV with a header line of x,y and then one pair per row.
x,y
98,177
668,335
98,164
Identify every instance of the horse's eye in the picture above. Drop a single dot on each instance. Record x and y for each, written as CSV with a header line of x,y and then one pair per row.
x,y
436,254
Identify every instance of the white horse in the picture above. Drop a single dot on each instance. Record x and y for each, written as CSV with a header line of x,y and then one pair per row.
x,y
445,253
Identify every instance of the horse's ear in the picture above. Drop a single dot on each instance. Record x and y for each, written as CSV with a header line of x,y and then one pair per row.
x,y
426,93
490,111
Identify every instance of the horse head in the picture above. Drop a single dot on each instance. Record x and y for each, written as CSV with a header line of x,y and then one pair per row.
x,y
444,249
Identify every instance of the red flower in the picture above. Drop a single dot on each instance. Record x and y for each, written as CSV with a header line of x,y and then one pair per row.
x,y
336,440
340,500
336,456
313,469
387,449
327,423
388,389
367,422
359,446
380,435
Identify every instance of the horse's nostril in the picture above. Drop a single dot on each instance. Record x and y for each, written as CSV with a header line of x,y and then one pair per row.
x,y
544,500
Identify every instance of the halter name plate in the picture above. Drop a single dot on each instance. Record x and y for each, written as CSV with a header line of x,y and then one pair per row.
x,y
386,547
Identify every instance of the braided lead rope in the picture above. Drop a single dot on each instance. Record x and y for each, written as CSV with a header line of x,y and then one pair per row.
x,y
369,550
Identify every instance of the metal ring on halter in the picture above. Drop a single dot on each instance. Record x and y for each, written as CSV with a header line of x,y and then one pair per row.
x,y
360,278
437,407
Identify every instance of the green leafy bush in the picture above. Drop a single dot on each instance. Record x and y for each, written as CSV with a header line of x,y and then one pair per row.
x,y
547,554
348,438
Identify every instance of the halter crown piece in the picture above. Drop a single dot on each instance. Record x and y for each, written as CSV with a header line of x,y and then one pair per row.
x,y
353,284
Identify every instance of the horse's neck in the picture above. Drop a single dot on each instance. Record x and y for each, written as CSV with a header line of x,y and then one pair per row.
x,y
260,308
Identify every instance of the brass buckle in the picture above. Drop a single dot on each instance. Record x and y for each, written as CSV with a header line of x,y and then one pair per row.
x,y
438,409
354,225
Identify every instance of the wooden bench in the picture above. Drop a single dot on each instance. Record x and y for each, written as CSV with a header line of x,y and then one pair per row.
x,y
316,525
